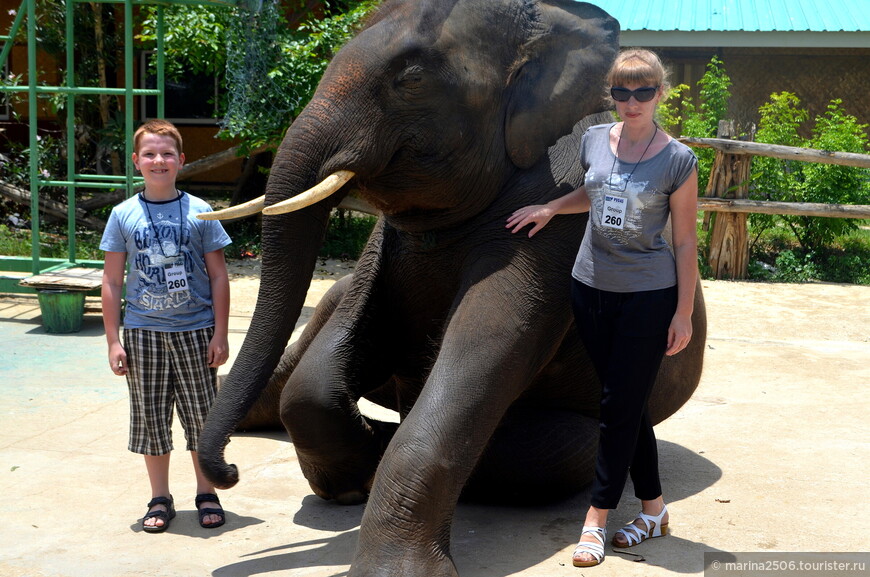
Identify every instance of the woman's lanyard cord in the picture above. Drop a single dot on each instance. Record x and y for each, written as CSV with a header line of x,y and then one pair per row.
x,y
616,157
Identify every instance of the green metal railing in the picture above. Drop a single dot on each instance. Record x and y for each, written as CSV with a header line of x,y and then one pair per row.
x,y
75,180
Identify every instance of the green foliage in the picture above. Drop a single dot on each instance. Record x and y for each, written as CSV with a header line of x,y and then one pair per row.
x,y
847,268
794,266
246,238
713,107
17,242
273,71
14,242
305,59
194,41
773,178
793,181
679,111
268,65
98,47
829,183
347,234
714,95
15,164
780,120
849,260
806,246
257,102
777,256
674,108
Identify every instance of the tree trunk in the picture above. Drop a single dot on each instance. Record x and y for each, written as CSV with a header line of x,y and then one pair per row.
x,y
729,238
52,209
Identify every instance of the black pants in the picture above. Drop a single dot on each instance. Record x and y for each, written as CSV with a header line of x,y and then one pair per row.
x,y
625,335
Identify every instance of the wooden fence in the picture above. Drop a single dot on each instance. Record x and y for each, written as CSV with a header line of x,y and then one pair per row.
x,y
728,189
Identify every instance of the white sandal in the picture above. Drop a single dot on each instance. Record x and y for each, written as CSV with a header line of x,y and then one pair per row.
x,y
635,535
596,550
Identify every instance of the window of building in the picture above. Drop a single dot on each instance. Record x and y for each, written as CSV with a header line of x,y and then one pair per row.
x,y
189,100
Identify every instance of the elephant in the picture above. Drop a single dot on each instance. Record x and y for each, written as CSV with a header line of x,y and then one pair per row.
x,y
446,116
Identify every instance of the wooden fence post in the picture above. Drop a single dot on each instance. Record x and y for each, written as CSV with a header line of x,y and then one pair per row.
x,y
729,237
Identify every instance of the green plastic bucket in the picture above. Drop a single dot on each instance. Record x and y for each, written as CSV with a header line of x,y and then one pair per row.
x,y
62,310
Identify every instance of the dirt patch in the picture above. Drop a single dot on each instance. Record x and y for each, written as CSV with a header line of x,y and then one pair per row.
x,y
245,282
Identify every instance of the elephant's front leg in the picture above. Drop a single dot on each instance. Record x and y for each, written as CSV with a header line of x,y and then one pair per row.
x,y
485,362
338,448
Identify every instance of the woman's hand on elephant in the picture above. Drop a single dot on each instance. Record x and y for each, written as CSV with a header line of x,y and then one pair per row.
x,y
679,334
539,214
118,359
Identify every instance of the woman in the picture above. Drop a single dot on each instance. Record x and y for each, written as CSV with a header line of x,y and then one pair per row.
x,y
632,297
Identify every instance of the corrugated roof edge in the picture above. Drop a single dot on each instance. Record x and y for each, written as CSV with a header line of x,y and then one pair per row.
x,y
817,16
676,38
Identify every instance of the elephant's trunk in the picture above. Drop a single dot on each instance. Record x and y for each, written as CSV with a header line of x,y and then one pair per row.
x,y
291,243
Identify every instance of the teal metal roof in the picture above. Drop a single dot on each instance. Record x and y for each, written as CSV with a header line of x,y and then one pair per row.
x,y
755,23
740,15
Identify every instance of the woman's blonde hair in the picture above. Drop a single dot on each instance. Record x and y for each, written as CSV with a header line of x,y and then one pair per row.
x,y
638,66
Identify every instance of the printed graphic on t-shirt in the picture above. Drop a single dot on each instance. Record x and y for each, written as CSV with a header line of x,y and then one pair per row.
x,y
617,207
162,263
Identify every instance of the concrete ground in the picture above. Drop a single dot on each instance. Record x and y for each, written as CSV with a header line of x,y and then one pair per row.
x,y
769,455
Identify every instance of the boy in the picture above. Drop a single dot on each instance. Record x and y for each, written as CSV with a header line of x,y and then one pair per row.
x,y
175,324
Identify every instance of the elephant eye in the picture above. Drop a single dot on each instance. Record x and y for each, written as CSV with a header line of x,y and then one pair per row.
x,y
410,79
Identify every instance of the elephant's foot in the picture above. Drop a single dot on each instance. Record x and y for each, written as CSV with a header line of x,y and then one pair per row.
x,y
349,485
348,480
346,497
400,561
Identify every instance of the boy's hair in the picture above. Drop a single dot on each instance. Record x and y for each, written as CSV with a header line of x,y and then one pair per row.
x,y
638,66
161,128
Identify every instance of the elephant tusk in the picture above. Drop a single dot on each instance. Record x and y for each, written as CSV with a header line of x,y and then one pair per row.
x,y
329,185
238,211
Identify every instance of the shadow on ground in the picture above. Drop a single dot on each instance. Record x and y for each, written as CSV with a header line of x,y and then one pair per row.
x,y
514,538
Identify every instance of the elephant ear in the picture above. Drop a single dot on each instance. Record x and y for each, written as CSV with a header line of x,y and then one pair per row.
x,y
559,76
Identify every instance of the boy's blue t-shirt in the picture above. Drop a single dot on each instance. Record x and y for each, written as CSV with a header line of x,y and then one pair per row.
x,y
161,239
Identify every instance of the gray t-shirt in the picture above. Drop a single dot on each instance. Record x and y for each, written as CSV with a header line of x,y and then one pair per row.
x,y
623,249
167,286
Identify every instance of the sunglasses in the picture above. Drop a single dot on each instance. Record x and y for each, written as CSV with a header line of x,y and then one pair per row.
x,y
644,94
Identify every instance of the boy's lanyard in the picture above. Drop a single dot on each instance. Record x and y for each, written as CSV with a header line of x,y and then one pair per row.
x,y
176,276
154,226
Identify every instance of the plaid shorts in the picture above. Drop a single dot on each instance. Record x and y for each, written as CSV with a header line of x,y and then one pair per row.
x,y
166,370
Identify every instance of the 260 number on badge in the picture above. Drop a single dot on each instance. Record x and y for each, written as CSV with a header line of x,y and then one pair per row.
x,y
177,284
613,211
176,278
613,221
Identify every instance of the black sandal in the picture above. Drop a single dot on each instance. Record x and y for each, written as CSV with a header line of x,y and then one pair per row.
x,y
167,515
209,498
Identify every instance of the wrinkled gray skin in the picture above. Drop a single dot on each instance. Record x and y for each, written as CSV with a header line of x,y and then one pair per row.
x,y
452,113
